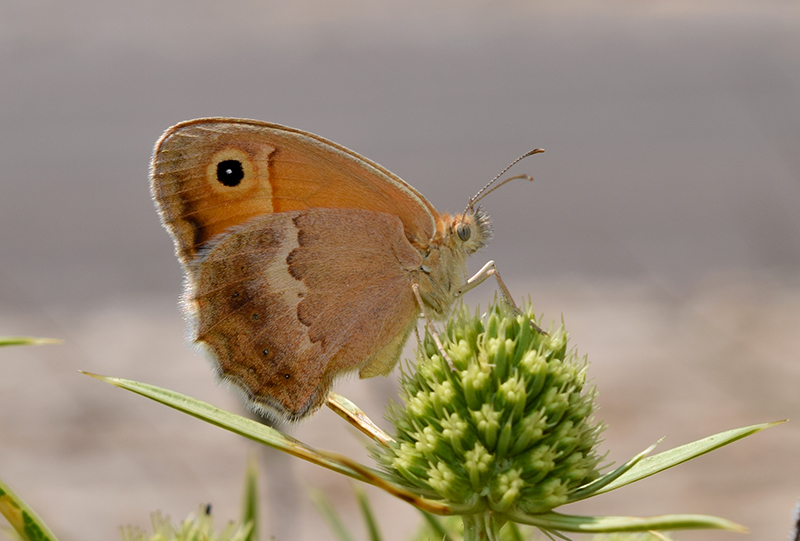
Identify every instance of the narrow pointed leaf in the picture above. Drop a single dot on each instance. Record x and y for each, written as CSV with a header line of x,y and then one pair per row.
x,y
234,423
250,499
330,515
26,341
373,531
22,518
595,486
611,524
663,461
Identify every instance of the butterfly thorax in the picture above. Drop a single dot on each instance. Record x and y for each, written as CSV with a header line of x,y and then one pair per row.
x,y
444,266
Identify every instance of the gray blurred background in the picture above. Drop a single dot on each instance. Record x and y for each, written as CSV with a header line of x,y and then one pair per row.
x,y
664,225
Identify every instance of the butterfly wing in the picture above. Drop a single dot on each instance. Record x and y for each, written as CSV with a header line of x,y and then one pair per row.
x,y
291,300
209,175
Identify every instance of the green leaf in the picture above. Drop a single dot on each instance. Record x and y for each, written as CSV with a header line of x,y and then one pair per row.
x,y
250,500
234,423
662,461
611,524
276,439
595,486
22,518
26,341
636,469
330,515
369,517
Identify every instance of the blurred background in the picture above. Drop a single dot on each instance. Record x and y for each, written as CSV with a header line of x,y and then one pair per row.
x,y
663,226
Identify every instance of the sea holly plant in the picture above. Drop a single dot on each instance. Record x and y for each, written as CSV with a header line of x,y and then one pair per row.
x,y
502,434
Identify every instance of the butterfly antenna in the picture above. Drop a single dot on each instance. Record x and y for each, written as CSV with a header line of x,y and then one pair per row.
x,y
483,191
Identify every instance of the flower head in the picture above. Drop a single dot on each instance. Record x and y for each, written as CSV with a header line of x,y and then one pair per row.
x,y
508,428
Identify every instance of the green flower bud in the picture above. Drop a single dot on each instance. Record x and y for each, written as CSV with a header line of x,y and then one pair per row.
x,y
509,429
477,464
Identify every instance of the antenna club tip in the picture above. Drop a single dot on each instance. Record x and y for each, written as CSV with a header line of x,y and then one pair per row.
x,y
483,191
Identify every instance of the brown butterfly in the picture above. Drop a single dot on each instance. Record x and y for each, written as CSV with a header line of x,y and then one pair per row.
x,y
304,260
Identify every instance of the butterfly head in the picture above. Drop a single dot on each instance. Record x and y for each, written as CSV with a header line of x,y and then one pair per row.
x,y
471,230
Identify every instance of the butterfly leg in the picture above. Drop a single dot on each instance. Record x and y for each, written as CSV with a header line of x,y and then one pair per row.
x,y
490,269
429,326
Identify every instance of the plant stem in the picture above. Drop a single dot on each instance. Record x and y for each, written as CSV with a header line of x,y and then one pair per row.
x,y
481,527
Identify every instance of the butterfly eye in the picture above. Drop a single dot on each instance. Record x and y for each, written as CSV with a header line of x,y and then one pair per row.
x,y
230,172
463,231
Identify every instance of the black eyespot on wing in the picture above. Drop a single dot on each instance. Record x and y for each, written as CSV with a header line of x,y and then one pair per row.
x,y
230,172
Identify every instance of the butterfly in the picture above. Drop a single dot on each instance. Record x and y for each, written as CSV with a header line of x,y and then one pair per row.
x,y
304,260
